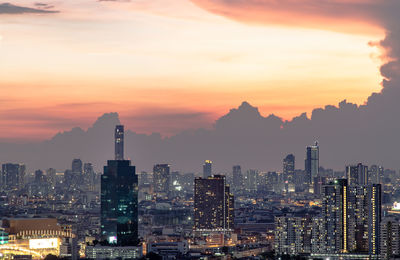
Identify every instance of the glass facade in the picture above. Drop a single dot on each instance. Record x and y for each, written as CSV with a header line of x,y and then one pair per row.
x,y
119,203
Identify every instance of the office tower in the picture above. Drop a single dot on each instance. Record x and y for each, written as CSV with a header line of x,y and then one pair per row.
x,y
237,178
293,235
12,176
288,168
375,174
144,178
312,162
161,178
89,176
119,203
374,218
119,142
39,176
357,174
76,166
390,238
213,205
207,169
51,177
251,180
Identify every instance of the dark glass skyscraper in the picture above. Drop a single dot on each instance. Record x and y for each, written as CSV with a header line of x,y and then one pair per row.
x,y
312,162
119,200
288,168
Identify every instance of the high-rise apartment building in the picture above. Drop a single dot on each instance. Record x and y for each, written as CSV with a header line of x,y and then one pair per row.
x,y
213,205
357,174
390,238
161,178
312,162
119,202
293,235
375,174
351,216
12,176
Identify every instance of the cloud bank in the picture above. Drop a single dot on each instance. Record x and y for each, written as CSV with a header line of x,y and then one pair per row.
x,y
7,8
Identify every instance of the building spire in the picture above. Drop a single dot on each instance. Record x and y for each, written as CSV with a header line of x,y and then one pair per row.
x,y
119,142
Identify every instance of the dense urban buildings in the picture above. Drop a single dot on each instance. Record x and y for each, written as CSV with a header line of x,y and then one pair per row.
x,y
168,213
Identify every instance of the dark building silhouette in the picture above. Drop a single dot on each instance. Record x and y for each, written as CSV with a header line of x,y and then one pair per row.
x,y
207,169
213,205
288,168
161,178
12,176
119,202
238,180
312,162
119,142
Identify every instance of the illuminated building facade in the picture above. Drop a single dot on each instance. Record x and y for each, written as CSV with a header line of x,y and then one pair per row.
x,y
119,202
293,235
37,237
351,217
213,204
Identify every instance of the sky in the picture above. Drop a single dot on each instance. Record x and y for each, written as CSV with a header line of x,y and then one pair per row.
x,y
170,65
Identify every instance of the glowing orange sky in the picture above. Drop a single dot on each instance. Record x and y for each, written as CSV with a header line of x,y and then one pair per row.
x,y
169,65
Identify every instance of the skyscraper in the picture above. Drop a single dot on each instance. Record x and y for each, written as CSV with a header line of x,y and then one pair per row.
x,y
374,218
237,177
119,201
119,142
207,169
312,162
375,174
12,176
288,168
357,174
161,178
76,166
251,180
213,205
351,217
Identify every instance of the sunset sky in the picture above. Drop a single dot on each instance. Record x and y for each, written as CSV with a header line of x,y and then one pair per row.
x,y
170,65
